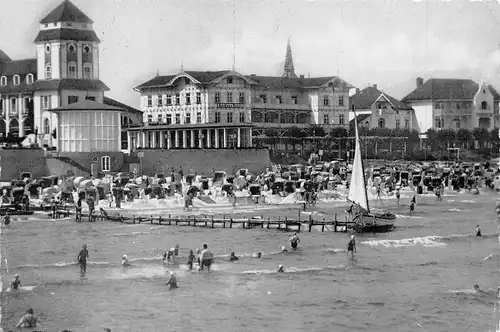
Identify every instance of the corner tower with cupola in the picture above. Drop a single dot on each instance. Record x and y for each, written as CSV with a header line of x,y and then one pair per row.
x,y
67,51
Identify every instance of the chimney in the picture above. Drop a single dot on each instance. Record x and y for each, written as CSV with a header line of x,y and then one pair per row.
x,y
357,90
375,86
420,82
302,76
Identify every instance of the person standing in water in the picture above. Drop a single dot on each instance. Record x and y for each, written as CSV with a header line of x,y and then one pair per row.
x,y
206,258
172,281
82,259
125,261
16,283
351,246
233,257
191,259
398,195
29,320
477,231
294,241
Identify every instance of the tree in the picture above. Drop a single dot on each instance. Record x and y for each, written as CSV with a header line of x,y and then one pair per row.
x,y
463,137
480,135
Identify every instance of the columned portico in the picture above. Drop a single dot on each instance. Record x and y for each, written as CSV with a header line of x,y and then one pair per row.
x,y
190,137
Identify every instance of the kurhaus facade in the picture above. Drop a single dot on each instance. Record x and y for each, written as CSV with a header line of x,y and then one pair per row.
x,y
454,104
221,109
59,97
65,71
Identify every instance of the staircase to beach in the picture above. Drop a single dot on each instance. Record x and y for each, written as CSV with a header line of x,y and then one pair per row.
x,y
61,165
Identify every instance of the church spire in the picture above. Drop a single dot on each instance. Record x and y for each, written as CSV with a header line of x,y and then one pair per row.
x,y
289,71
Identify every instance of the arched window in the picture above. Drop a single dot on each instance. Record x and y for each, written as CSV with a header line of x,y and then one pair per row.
x,y
3,81
72,69
46,126
87,71
29,78
484,105
48,71
17,80
381,123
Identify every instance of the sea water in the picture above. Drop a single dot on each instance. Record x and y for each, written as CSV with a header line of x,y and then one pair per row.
x,y
406,280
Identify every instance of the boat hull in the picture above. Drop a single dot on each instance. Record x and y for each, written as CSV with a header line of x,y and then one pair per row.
x,y
374,223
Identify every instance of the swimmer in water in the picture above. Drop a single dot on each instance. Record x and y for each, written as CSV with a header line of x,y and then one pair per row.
x,y
351,246
280,269
257,255
283,249
477,232
477,289
294,241
172,281
16,283
176,250
191,259
198,257
125,261
29,320
6,219
233,257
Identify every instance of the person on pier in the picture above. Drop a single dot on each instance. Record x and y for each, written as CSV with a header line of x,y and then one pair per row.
x,y
294,241
351,246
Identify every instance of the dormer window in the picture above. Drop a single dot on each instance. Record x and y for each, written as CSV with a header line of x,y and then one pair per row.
x,y
3,81
186,81
229,80
484,105
17,80
29,79
86,49
47,48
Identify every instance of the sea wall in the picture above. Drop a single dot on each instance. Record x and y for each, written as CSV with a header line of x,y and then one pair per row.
x,y
203,161
13,162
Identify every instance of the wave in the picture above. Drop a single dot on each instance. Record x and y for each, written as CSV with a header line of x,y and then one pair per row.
x,y
295,270
405,216
428,241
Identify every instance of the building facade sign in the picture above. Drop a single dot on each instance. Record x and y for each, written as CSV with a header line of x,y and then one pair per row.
x,y
230,105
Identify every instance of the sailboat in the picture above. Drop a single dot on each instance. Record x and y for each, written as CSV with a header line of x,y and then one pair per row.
x,y
364,220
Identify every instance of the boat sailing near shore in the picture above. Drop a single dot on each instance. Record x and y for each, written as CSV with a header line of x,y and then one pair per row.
x,y
364,220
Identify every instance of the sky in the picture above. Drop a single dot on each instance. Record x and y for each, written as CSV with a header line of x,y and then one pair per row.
x,y
365,42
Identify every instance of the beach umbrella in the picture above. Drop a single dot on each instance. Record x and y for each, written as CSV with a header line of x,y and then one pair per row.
x,y
85,184
131,185
77,181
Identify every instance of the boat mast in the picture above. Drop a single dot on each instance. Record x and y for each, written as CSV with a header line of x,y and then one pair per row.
x,y
362,165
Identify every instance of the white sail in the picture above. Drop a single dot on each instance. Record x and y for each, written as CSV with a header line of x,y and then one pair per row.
x,y
357,188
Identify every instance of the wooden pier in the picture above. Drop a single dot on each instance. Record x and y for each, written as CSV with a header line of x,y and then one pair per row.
x,y
278,223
